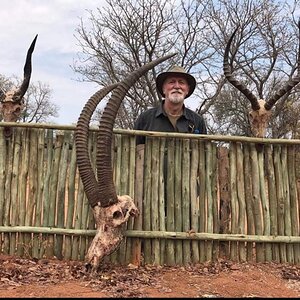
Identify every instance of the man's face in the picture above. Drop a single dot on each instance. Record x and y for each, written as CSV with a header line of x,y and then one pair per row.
x,y
175,88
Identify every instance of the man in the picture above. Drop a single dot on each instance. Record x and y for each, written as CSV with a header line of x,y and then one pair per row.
x,y
171,115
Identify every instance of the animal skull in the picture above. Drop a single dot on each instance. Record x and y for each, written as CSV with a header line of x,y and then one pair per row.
x,y
110,221
261,109
111,211
259,119
11,109
12,103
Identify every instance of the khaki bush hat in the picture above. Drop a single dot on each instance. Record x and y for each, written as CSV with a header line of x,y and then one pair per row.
x,y
176,70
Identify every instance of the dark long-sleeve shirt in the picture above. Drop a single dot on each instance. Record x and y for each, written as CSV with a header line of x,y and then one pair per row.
x,y
156,119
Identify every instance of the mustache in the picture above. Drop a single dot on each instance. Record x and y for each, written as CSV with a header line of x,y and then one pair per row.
x,y
177,91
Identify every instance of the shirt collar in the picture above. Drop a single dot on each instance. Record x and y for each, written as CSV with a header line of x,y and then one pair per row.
x,y
160,110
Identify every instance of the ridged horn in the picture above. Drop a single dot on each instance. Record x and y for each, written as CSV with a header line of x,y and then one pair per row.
x,y
27,74
107,189
228,74
86,172
288,85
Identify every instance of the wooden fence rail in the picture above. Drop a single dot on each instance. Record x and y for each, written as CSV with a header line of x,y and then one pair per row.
x,y
200,198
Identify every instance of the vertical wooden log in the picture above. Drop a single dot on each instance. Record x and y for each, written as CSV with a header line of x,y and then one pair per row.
x,y
223,166
138,197
202,199
46,193
72,183
170,245
162,197
53,191
117,151
208,180
147,200
178,199
215,193
125,165
15,186
77,221
37,238
260,256
92,226
33,188
130,191
293,199
117,158
233,199
2,181
61,192
155,199
287,205
248,199
270,173
123,191
186,199
241,199
83,225
280,199
265,206
7,194
195,209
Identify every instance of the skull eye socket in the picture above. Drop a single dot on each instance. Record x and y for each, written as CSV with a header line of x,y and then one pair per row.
x,y
117,215
2,95
251,116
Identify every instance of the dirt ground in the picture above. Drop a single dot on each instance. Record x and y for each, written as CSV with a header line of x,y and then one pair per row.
x,y
27,278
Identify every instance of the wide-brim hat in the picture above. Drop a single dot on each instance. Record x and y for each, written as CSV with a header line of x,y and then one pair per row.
x,y
176,70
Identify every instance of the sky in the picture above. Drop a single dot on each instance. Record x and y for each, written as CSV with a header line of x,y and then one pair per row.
x,y
55,22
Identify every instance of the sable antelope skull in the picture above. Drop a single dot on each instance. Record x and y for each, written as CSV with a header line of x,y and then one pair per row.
x,y
111,212
12,103
261,109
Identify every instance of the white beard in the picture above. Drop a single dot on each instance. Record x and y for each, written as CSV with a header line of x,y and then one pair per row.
x,y
176,98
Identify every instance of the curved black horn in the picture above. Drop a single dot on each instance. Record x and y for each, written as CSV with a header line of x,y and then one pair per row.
x,y
288,85
2,95
81,142
27,73
228,74
108,194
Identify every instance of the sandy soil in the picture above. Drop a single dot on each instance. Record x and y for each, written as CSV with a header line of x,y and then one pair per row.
x,y
20,278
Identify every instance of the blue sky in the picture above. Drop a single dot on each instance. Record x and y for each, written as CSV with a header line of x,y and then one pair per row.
x,y
55,22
